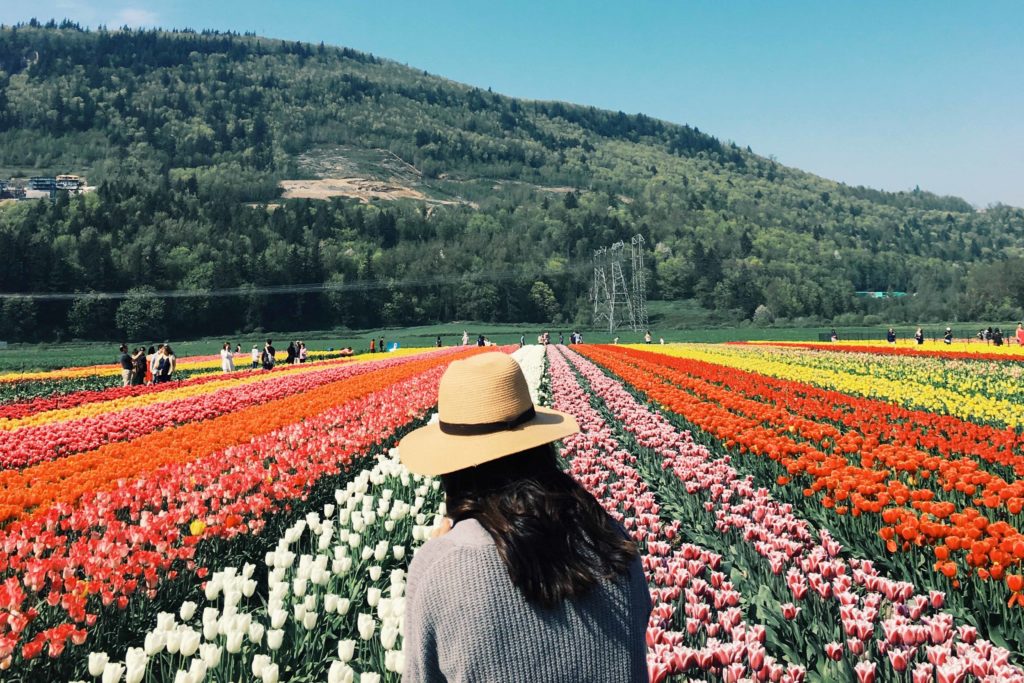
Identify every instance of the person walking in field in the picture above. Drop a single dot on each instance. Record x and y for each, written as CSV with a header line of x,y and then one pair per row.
x,y
380,345
269,357
890,336
465,338
997,337
1020,334
647,337
303,354
948,337
528,568
227,360
919,336
126,365
373,345
166,364
254,356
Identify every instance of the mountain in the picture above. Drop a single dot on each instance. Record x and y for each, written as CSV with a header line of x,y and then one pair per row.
x,y
224,163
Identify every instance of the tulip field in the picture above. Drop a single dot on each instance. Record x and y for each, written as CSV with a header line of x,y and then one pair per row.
x,y
803,511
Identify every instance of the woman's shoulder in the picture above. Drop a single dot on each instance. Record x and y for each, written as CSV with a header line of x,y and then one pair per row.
x,y
446,554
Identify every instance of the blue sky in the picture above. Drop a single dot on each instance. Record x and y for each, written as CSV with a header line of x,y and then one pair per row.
x,y
885,94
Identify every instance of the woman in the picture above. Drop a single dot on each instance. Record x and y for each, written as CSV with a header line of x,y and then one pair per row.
x,y
291,351
534,580
919,336
227,359
139,367
303,354
150,357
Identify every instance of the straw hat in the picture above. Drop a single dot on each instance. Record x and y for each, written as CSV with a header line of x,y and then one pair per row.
x,y
485,412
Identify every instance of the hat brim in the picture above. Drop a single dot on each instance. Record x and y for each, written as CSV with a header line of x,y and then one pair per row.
x,y
430,451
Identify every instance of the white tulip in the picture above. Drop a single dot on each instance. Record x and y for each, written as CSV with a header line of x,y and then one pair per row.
x,y
328,510
211,629
369,518
182,677
112,672
366,626
372,596
330,603
375,572
270,559
256,631
340,673
259,663
247,570
388,636
274,638
399,661
309,621
248,588
346,650
270,674
154,643
300,612
97,662
134,672
310,603
165,621
389,526
210,654
398,551
234,642
197,672
366,553
173,641
277,618
343,606
187,610
189,643
368,677
354,540
212,590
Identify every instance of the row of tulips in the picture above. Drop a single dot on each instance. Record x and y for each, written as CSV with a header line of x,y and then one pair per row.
x,y
21,387
33,489
924,497
11,413
74,562
955,351
49,436
982,392
329,605
696,626
875,614
186,363
328,600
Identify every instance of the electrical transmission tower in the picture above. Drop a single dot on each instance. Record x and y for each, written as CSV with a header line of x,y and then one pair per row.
x,y
614,303
619,296
599,294
639,283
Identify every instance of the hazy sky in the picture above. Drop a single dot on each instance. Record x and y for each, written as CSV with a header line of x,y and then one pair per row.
x,y
879,93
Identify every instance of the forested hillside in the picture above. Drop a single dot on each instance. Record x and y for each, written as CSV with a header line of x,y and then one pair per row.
x,y
186,137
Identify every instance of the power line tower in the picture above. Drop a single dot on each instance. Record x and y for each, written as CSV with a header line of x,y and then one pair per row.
x,y
639,283
599,295
619,297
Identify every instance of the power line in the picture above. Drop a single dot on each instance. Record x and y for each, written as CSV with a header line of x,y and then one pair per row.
x,y
354,286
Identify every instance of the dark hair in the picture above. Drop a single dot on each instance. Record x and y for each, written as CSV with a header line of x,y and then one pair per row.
x,y
555,539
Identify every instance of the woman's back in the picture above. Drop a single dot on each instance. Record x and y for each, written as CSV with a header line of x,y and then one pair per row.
x,y
466,621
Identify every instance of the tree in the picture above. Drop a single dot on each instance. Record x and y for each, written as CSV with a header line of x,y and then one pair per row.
x,y
543,298
763,315
18,318
89,317
141,314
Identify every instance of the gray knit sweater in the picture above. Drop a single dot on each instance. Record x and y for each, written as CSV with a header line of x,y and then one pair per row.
x,y
466,622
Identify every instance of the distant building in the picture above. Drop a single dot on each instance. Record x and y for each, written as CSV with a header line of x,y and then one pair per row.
x,y
68,182
42,183
874,294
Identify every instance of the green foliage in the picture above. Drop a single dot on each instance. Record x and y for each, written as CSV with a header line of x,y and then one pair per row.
x,y
141,314
186,136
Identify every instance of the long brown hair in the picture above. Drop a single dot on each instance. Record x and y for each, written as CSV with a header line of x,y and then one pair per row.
x,y
555,539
